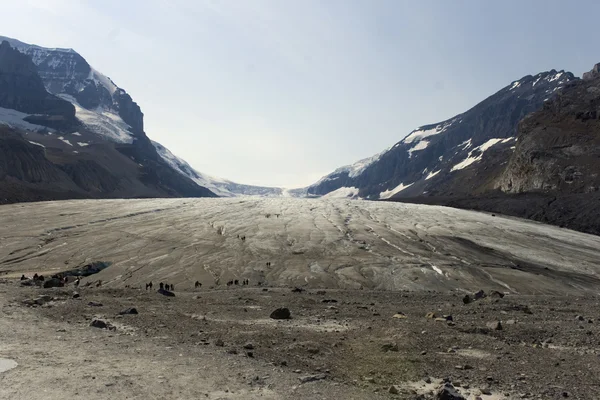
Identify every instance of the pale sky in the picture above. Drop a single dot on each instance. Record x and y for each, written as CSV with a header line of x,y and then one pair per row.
x,y
282,92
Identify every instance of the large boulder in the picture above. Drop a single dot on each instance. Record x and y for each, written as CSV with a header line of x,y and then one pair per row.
x,y
281,313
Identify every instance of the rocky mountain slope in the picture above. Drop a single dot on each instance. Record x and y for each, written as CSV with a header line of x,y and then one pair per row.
x,y
66,131
79,110
531,150
442,153
553,174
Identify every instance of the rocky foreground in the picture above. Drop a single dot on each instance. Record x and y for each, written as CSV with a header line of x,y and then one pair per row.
x,y
103,343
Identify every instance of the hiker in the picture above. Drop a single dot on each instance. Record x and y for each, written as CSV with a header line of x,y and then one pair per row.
x,y
161,286
23,277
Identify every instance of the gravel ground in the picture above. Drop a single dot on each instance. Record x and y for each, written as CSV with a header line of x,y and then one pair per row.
x,y
221,344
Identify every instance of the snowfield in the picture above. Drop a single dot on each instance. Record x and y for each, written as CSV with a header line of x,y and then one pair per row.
x,y
332,243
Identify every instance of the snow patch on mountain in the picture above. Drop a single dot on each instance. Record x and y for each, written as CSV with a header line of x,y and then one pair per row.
x,y
103,80
14,119
422,145
342,193
432,174
65,140
181,166
389,193
103,122
358,167
473,159
515,85
422,133
36,143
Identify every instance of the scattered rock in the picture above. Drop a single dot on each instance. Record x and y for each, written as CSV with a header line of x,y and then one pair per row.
x,y
466,299
329,301
479,295
321,292
94,304
510,322
312,378
38,301
393,390
98,323
297,290
232,351
448,392
496,294
129,311
494,325
399,316
249,354
167,293
281,313
389,347
52,283
249,346
76,295
219,343
431,315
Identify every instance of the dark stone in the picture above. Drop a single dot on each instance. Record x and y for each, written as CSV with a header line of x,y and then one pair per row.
x,y
466,299
52,283
448,392
166,293
98,323
129,311
281,313
94,304
312,378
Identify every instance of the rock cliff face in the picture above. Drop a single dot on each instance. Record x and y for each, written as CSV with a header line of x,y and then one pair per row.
x,y
22,89
558,150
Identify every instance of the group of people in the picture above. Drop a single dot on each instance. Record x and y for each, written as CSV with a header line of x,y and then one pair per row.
x,y
245,282
161,286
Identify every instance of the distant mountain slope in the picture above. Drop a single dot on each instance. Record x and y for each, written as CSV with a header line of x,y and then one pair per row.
x,y
442,153
110,112
220,187
99,150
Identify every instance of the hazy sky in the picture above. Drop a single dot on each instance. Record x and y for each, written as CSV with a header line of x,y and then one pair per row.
x,y
281,92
